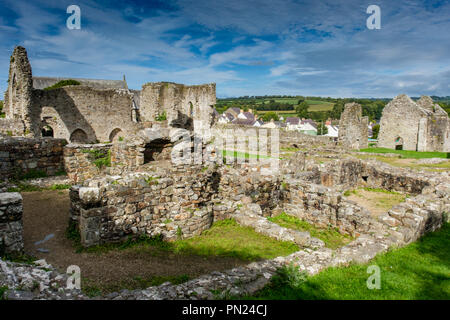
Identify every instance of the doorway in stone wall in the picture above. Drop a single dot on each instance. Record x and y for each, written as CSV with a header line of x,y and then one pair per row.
x,y
399,143
157,150
47,131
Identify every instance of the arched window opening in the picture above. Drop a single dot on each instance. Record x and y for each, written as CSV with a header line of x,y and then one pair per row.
x,y
158,149
116,135
47,131
79,136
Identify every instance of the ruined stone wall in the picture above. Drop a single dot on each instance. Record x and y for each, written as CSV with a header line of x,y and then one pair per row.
x,y
19,156
353,127
84,161
82,114
240,184
12,127
352,173
435,133
174,203
324,207
421,126
11,227
18,96
182,104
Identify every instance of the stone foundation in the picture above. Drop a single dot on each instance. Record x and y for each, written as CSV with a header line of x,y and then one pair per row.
x,y
19,156
11,209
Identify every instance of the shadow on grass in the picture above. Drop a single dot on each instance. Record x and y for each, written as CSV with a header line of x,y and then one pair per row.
x,y
420,270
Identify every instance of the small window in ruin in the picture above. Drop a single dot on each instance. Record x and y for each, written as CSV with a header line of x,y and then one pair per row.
x,y
158,149
365,178
47,131
399,143
79,136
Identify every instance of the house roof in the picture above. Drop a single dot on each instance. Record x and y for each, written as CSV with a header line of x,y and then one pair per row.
x,y
293,120
311,122
244,122
233,110
44,82
249,115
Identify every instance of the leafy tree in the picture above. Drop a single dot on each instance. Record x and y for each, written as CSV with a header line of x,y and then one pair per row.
x,y
321,128
269,116
302,110
375,131
2,115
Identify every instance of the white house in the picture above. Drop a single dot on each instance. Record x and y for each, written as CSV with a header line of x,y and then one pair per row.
x,y
333,131
292,123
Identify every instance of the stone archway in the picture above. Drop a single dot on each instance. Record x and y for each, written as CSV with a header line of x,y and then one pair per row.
x,y
399,143
158,149
79,136
116,135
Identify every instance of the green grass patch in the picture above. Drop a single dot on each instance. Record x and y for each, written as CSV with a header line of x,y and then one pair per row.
x,y
63,83
100,158
3,289
225,238
331,237
26,187
409,154
419,271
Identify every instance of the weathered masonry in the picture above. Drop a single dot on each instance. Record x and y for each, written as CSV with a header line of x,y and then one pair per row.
x,y
97,110
353,127
417,126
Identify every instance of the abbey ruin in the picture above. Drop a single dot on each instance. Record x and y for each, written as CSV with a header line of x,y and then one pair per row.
x,y
122,152
417,126
97,110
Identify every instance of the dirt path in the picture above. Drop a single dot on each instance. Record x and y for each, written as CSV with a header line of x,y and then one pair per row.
x,y
47,213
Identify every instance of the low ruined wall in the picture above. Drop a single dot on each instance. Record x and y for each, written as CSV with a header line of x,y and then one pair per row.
x,y
11,127
84,161
174,204
351,173
19,156
324,207
242,184
11,209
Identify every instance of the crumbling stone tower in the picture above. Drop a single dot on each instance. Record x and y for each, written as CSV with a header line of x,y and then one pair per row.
x,y
18,97
353,127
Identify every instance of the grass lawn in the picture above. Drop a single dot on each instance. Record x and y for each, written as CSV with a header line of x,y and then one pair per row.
x,y
242,155
420,270
375,200
409,154
408,163
332,238
227,238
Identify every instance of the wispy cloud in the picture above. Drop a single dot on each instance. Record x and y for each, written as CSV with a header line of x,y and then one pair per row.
x,y
246,47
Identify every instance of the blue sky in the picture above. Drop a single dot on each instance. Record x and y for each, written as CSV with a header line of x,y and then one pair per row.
x,y
246,47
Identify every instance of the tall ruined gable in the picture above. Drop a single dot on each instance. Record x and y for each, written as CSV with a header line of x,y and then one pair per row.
x,y
399,123
20,86
353,127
